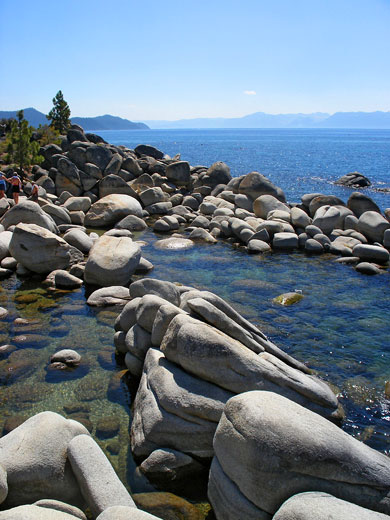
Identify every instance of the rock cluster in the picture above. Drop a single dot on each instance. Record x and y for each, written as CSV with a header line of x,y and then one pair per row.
x,y
88,182
354,180
212,386
50,468
194,352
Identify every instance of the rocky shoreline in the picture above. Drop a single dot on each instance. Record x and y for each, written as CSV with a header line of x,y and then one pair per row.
x,y
216,398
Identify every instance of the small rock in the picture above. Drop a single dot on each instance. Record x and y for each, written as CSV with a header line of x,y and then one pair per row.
x,y
107,427
174,244
288,298
65,280
367,268
67,356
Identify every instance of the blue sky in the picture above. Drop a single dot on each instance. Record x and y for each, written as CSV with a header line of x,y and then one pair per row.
x,y
173,59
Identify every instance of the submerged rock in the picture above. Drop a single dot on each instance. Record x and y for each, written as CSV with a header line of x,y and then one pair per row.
x,y
288,298
174,244
167,505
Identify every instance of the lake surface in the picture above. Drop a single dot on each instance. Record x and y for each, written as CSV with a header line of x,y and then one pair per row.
x,y
299,161
340,327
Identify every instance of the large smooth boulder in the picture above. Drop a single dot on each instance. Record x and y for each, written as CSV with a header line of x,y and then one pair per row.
x,y
360,203
266,203
34,456
113,295
49,150
147,149
132,223
78,238
78,204
128,317
178,173
40,250
152,196
68,177
131,165
221,304
323,200
370,253
322,506
285,241
125,513
258,246
58,214
114,166
4,206
299,218
255,184
373,225
171,470
214,356
112,261
38,512
218,173
5,239
271,448
174,409
328,218
162,319
99,484
147,310
98,155
138,341
112,208
65,280
112,184
218,319
367,268
28,212
167,290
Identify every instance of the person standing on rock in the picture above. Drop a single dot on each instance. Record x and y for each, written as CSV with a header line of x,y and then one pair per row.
x,y
34,193
3,185
16,186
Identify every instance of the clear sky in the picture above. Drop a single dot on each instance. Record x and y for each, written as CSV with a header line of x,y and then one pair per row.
x,y
172,59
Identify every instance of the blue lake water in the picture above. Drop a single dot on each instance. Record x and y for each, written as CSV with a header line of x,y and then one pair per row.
x,y
299,161
340,327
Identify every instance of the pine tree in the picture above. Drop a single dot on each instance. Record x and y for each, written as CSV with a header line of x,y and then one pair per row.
x,y
59,115
22,151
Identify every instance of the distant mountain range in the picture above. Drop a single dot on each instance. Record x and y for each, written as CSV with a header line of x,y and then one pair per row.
x,y
374,120
364,120
107,122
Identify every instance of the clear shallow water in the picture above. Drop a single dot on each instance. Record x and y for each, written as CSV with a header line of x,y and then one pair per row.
x,y
299,161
